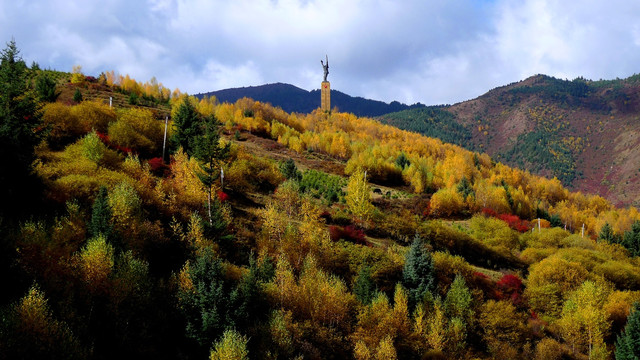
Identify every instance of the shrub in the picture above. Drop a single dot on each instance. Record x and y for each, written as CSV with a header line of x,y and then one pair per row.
x,y
94,115
347,233
510,287
137,129
157,166
252,173
64,126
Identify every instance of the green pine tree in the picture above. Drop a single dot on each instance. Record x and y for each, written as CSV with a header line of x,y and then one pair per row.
x,y
101,216
77,96
364,288
628,342
464,188
290,171
606,234
418,276
46,88
210,154
402,160
19,121
631,239
206,308
187,125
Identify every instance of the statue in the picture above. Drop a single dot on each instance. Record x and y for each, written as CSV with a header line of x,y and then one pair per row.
x,y
325,67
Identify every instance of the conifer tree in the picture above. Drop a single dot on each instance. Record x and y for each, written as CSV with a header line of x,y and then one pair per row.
x,y
289,170
464,188
628,342
19,120
631,239
418,276
101,215
206,306
187,125
606,234
46,88
364,287
77,96
208,151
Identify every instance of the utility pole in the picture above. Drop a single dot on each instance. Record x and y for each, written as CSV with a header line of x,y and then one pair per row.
x,y
164,143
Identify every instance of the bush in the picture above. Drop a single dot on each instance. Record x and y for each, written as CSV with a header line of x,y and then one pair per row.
x,y
446,202
322,185
94,115
252,173
63,125
137,129
347,233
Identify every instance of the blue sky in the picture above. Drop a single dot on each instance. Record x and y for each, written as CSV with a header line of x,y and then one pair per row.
x,y
433,52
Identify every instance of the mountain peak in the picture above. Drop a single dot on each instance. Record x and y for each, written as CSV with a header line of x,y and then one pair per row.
x,y
294,99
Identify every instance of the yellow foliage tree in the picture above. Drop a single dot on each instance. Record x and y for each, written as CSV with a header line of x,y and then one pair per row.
x,y
446,202
583,321
358,197
96,262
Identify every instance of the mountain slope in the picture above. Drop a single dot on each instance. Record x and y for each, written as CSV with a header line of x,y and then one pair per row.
x,y
293,99
584,132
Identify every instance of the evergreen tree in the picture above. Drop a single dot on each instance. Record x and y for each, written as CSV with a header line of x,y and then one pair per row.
x,y
187,125
606,234
208,151
464,188
101,215
364,287
247,302
402,161
628,342
289,170
77,96
206,307
418,276
631,239
19,120
46,88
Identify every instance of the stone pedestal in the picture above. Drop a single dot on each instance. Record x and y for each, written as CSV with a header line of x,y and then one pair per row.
x,y
325,96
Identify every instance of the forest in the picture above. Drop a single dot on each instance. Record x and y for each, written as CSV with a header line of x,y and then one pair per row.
x,y
262,234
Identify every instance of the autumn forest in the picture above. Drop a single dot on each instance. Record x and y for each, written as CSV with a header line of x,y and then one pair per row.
x,y
142,222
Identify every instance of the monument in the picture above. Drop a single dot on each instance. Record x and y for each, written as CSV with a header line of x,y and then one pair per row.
x,y
325,88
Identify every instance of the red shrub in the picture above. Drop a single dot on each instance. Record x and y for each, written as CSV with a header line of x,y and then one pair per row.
x,y
510,287
222,196
105,139
348,233
515,222
157,166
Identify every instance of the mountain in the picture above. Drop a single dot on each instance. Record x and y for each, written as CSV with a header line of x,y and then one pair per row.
x,y
586,133
293,99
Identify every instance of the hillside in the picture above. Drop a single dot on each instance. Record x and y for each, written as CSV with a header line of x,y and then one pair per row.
x,y
294,99
329,236
586,133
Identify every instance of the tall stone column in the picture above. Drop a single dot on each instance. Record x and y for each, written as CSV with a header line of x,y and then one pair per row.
x,y
325,96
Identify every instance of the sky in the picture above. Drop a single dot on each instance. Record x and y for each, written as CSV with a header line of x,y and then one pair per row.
x,y
427,51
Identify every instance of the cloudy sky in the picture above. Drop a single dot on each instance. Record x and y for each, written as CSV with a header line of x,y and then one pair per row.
x,y
428,51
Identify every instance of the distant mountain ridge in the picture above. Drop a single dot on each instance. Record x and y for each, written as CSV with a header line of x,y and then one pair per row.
x,y
294,99
586,133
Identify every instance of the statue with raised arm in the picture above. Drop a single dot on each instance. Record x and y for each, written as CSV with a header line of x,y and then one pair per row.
x,y
325,67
